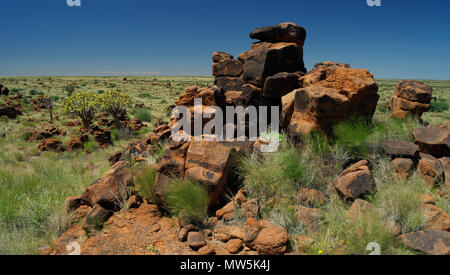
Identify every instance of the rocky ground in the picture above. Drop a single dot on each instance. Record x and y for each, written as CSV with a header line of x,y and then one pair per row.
x,y
359,163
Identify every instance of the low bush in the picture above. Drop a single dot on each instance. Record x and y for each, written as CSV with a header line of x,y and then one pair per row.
x,y
145,181
188,200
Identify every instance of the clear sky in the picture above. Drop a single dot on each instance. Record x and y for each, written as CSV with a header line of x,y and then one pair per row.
x,y
400,39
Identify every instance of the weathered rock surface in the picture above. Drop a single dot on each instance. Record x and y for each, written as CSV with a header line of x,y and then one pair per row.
x,y
109,188
284,32
410,98
432,242
51,144
355,185
311,197
436,218
280,84
343,93
271,240
402,168
267,59
77,142
400,149
229,67
431,170
434,140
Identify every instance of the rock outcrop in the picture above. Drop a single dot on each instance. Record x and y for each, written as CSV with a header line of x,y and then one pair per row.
x,y
410,98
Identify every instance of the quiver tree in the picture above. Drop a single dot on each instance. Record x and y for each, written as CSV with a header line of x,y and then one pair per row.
x,y
48,102
116,104
84,105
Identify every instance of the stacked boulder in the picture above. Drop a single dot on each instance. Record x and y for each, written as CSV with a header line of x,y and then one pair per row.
x,y
329,94
410,98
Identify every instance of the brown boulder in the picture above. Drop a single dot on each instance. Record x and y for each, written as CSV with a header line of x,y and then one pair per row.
x,y
272,240
209,169
355,185
267,59
109,188
436,218
434,140
343,93
414,91
399,149
431,242
359,166
410,98
196,240
284,32
184,231
102,137
431,170
311,218
208,96
47,133
402,168
310,197
234,245
77,142
221,56
96,218
229,67
446,165
287,109
280,84
359,208
51,144
172,165
227,83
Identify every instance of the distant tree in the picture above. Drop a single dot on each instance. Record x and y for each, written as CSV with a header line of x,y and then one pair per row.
x,y
48,102
69,89
84,105
116,104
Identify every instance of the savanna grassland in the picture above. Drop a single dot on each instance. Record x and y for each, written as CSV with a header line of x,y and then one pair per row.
x,y
34,184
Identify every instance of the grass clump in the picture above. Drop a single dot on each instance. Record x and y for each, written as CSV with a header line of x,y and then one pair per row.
x,y
439,106
143,115
145,182
188,200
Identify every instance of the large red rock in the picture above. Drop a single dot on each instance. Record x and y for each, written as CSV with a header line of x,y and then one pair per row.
x,y
436,218
434,140
410,98
342,94
431,170
229,67
432,242
46,133
284,32
280,84
355,185
228,83
172,165
208,96
208,162
272,240
221,56
77,142
110,188
267,59
51,144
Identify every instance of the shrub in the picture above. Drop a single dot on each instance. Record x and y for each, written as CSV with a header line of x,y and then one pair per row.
x,y
143,115
84,105
115,104
144,95
70,89
90,145
100,92
275,175
188,200
145,181
439,106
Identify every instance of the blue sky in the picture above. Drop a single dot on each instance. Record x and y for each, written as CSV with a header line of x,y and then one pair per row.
x,y
400,39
